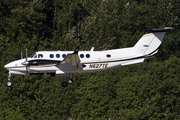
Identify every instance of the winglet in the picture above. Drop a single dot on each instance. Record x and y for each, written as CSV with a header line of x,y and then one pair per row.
x,y
76,50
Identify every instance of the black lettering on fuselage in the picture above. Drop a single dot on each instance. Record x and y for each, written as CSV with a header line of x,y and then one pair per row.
x,y
98,65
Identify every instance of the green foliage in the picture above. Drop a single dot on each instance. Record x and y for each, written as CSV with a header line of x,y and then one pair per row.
x,y
149,90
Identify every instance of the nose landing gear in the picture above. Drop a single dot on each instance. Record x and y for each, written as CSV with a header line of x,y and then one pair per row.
x,y
9,83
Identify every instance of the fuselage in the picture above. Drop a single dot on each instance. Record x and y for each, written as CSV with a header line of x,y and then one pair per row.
x,y
51,61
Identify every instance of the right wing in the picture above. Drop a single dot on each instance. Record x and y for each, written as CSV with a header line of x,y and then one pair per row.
x,y
73,59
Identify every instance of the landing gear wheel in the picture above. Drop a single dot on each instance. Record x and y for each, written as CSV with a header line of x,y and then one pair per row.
x,y
64,84
70,81
9,83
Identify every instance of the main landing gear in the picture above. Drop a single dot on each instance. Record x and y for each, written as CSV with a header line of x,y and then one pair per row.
x,y
9,83
66,82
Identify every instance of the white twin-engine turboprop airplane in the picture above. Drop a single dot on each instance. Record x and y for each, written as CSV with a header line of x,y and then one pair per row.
x,y
62,63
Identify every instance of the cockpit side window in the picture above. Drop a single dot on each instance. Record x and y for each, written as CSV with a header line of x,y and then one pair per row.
x,y
35,56
40,55
32,56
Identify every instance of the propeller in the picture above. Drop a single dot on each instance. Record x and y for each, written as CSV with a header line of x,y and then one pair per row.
x,y
21,55
26,62
26,55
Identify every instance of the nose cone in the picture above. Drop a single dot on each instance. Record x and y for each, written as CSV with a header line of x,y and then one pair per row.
x,y
14,64
7,66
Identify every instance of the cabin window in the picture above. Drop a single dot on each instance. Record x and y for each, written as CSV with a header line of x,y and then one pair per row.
x,y
51,55
82,55
40,55
33,55
64,55
57,55
87,55
108,55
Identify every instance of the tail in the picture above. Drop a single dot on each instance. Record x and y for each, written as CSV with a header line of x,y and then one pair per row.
x,y
150,41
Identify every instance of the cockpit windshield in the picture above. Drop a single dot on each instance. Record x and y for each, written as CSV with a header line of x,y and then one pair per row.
x,y
33,55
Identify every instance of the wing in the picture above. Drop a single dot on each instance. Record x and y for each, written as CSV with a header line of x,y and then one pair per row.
x,y
73,59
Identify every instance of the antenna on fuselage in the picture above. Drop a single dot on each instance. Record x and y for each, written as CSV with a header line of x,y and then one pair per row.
x,y
92,49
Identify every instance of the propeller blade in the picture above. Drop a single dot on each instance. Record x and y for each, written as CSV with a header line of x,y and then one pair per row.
x,y
26,60
27,73
21,55
26,63
26,55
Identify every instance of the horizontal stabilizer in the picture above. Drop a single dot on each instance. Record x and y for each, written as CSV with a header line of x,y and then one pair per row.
x,y
153,30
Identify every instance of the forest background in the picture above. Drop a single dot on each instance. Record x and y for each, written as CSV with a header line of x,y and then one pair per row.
x,y
150,90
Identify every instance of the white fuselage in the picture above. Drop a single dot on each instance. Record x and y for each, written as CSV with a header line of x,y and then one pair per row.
x,y
92,60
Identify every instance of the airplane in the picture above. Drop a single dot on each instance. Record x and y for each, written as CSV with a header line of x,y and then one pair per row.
x,y
63,63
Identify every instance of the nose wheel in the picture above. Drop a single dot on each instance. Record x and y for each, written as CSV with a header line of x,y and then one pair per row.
x,y
9,83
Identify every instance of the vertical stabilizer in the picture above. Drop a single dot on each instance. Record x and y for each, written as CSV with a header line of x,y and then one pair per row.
x,y
150,41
